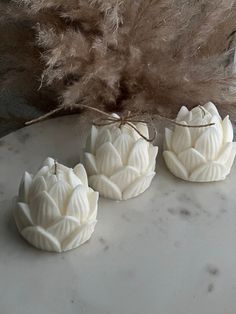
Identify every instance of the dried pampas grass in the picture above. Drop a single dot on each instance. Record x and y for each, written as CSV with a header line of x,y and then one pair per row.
x,y
146,55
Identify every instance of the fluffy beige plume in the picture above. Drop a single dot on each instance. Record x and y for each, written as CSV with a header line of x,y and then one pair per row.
x,y
146,55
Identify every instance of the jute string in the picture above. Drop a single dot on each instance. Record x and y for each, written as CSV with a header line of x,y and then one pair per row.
x,y
125,119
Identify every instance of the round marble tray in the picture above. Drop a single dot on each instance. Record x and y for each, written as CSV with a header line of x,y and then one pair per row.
x,y
171,250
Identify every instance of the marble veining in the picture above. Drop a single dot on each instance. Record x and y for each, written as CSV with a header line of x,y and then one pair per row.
x,y
171,250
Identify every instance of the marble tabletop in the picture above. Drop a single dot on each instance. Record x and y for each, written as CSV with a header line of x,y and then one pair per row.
x,y
171,250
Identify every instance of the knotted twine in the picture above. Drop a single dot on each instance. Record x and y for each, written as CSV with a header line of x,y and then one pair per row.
x,y
125,119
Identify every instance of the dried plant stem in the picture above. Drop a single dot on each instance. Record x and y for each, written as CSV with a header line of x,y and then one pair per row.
x,y
52,112
45,116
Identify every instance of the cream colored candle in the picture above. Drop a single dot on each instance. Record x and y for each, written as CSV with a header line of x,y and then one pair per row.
x,y
56,210
119,162
200,154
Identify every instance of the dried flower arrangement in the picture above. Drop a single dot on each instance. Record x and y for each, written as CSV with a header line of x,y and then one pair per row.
x,y
146,55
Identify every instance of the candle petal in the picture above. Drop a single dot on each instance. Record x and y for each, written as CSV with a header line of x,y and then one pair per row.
x,y
227,130
209,144
139,157
174,165
49,162
38,185
168,139
191,158
127,129
42,172
124,177
24,187
123,144
91,140
230,160
197,113
152,152
218,126
63,227
93,204
108,159
81,174
51,179
181,138
44,210
22,216
105,187
182,114
61,169
104,136
115,132
41,239
78,205
197,132
138,186
211,108
90,164
73,179
78,237
60,193
211,171
225,153
143,129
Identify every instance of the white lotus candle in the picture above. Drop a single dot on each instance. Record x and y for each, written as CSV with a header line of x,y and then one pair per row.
x,y
200,154
119,162
56,210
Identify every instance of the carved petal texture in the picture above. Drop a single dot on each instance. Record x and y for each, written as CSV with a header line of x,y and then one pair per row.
x,y
182,114
108,159
56,209
200,154
181,139
120,163
105,187
24,187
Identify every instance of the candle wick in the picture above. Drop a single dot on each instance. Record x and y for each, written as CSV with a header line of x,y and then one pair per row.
x,y
55,166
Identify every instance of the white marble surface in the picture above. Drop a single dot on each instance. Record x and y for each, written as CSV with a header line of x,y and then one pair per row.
x,y
171,250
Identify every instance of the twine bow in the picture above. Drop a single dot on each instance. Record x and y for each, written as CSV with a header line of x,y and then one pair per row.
x,y
125,119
